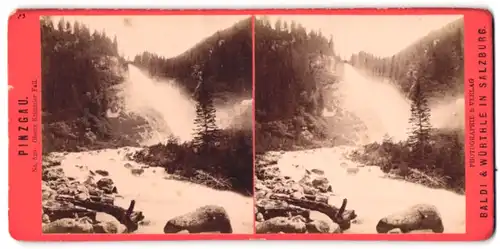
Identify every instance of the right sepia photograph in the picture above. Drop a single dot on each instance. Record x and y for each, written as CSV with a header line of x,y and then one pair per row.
x,y
359,124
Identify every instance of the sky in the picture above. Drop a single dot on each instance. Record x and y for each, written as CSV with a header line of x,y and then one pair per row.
x,y
172,35
168,36
379,35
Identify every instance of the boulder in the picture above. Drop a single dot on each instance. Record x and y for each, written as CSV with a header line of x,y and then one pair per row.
x,y
260,186
89,180
47,192
45,219
321,183
68,225
259,217
321,221
52,174
416,217
318,171
266,173
308,190
298,195
395,231
109,227
261,194
102,172
73,189
107,185
56,210
50,162
137,171
306,179
321,226
209,218
276,208
93,189
281,225
287,188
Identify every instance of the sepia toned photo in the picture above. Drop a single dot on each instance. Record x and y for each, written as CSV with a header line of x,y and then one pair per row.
x,y
359,124
147,124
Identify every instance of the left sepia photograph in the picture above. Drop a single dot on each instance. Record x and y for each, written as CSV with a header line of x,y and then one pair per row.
x,y
147,124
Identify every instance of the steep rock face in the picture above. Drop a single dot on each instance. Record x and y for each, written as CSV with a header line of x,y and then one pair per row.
x,y
294,70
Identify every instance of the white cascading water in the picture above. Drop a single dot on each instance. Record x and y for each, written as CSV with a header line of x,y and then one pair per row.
x,y
163,104
385,110
372,195
379,105
166,107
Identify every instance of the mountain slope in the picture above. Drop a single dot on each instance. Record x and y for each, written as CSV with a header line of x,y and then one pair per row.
x,y
229,66
437,57
79,67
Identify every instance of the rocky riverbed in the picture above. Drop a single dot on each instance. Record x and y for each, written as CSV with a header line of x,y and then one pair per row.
x,y
286,206
73,206
321,191
105,192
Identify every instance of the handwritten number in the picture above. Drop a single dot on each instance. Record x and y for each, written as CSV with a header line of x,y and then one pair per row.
x,y
21,16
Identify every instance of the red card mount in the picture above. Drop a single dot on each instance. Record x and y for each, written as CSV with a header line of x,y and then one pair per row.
x,y
297,124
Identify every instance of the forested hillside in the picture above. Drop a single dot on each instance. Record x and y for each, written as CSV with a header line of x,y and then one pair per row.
x,y
437,57
291,72
229,67
78,67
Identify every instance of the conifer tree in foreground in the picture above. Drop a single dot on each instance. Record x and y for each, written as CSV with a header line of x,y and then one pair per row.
x,y
419,120
206,131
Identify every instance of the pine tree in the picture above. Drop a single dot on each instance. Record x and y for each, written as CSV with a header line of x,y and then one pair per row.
x,y
420,120
206,131
115,45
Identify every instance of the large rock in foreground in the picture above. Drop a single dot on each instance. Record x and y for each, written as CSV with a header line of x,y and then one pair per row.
x,y
282,225
210,218
68,225
417,217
